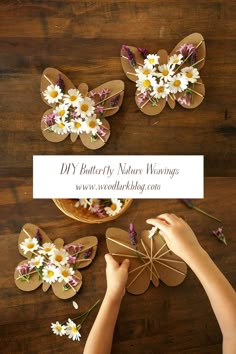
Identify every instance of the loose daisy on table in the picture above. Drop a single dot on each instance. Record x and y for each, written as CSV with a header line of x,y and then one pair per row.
x,y
114,208
29,245
72,330
53,94
58,329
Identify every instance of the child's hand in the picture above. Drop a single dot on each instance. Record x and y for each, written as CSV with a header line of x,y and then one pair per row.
x,y
178,235
117,276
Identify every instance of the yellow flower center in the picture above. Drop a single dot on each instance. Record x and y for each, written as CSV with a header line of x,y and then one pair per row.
x,y
84,107
74,329
177,83
36,263
176,61
146,71
54,94
165,72
189,74
58,328
113,207
61,125
72,98
65,273
61,113
47,249
160,89
58,258
146,83
50,273
151,60
77,125
30,245
92,124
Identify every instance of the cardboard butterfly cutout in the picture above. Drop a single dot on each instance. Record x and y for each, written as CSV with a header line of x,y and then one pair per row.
x,y
116,87
88,243
197,40
150,261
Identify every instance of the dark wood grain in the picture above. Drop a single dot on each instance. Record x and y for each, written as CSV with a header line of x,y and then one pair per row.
x,y
83,39
163,320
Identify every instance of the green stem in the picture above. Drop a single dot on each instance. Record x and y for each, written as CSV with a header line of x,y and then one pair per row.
x,y
84,313
205,213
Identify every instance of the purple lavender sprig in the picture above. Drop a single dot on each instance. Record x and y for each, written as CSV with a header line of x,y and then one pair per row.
x,y
38,236
60,82
144,52
220,235
129,55
88,253
190,205
132,235
114,101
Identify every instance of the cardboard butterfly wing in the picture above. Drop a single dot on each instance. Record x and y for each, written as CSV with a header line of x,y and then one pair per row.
x,y
87,247
150,261
110,104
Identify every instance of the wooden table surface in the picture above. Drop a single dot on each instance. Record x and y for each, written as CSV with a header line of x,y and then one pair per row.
x,y
83,39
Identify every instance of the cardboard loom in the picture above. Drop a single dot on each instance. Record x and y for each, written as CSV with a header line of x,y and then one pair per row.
x,y
88,242
195,39
150,261
116,87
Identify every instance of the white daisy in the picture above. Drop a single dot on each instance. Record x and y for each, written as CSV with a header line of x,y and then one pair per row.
x,y
50,274
72,330
114,208
151,60
191,74
85,107
29,245
59,257
145,71
77,126
92,125
175,59
61,111
165,72
61,126
160,90
37,261
73,97
145,83
53,94
64,273
47,248
178,83
58,329
82,202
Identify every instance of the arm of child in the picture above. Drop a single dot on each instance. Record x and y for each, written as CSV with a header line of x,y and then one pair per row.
x,y
100,337
183,242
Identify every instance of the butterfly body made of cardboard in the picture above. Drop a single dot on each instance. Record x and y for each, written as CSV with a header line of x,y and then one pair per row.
x,y
150,260
28,277
193,94
102,106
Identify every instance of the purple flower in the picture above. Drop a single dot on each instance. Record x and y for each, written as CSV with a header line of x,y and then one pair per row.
x,y
144,52
220,235
101,131
185,99
99,109
114,101
188,50
72,259
49,119
142,98
74,281
132,235
25,268
103,93
88,253
129,55
38,236
60,82
73,249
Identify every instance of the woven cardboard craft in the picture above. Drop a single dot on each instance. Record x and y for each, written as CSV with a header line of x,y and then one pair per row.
x,y
151,103
150,260
78,254
105,100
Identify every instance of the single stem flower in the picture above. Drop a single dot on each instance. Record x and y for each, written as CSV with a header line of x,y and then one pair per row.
x,y
190,205
220,235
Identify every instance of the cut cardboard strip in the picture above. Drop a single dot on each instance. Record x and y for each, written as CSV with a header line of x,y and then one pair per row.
x,y
150,260
88,243
116,94
198,90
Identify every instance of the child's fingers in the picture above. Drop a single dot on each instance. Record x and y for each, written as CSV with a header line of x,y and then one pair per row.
x,y
169,218
125,264
110,260
161,224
